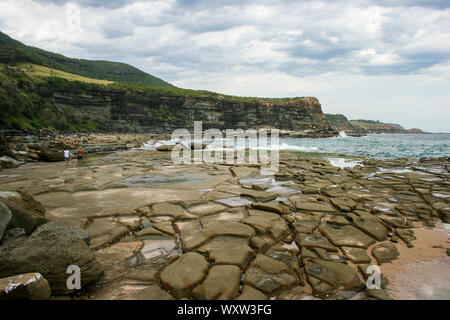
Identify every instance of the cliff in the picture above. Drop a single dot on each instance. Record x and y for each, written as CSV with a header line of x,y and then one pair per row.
x,y
138,111
65,105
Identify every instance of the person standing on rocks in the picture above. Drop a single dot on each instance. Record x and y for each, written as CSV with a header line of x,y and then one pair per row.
x,y
80,153
67,157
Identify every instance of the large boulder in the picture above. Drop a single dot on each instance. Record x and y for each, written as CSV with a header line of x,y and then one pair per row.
x,y
62,228
51,155
5,218
8,163
50,251
4,147
30,286
26,212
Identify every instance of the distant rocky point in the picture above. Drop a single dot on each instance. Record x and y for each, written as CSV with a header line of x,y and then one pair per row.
x,y
359,127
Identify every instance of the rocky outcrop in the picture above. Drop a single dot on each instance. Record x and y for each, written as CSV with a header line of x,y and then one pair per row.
x,y
50,251
8,162
30,286
5,218
27,213
154,112
339,122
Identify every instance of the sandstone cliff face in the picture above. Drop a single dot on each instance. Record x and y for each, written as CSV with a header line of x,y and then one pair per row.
x,y
152,112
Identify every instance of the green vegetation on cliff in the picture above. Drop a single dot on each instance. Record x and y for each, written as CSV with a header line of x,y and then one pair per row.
x,y
25,104
13,52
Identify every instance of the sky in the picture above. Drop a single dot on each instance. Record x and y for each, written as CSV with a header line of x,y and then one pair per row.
x,y
386,60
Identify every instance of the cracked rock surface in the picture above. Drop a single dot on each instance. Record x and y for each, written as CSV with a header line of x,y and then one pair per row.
x,y
210,231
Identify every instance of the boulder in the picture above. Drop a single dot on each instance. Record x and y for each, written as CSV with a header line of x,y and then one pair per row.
x,y
5,218
30,286
50,252
13,234
26,212
385,252
62,228
8,163
51,156
166,147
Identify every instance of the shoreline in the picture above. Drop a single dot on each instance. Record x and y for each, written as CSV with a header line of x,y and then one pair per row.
x,y
142,215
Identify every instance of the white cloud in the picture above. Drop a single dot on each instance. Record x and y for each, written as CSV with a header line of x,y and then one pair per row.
x,y
368,59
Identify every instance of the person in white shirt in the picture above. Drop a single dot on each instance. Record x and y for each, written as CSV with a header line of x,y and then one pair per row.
x,y
67,157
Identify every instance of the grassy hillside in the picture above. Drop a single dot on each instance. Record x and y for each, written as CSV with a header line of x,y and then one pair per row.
x,y
36,71
24,104
13,52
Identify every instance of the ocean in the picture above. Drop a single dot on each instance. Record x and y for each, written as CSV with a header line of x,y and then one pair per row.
x,y
381,146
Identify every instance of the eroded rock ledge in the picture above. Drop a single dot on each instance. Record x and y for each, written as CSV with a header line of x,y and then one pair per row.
x,y
310,231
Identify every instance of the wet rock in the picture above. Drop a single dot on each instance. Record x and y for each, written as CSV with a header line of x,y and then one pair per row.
x,y
8,163
167,209
335,275
155,252
221,283
130,290
184,274
269,275
5,218
203,208
49,253
165,226
406,235
385,252
234,201
261,243
287,253
305,225
226,227
274,206
228,250
150,233
103,231
259,196
344,203
347,236
166,147
26,212
114,259
356,255
250,293
339,220
314,206
372,227
296,293
313,241
266,223
378,294
30,286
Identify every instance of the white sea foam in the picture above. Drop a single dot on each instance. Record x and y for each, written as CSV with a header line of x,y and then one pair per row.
x,y
344,163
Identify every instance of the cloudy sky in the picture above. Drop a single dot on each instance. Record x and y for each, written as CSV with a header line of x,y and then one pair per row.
x,y
385,60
